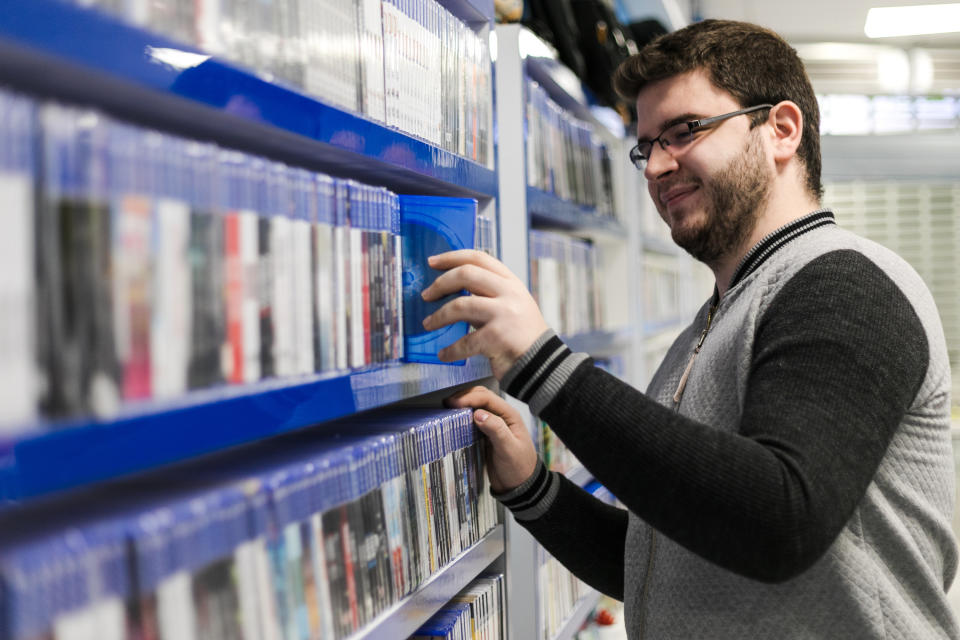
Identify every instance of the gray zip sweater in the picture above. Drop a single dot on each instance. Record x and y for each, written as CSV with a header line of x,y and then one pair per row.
x,y
798,483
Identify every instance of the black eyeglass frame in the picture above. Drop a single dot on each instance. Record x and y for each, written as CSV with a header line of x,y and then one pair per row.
x,y
640,161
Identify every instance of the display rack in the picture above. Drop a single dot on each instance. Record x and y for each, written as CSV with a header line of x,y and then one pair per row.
x,y
55,50
526,207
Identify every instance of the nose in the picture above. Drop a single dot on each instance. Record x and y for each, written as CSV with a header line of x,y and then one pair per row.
x,y
660,163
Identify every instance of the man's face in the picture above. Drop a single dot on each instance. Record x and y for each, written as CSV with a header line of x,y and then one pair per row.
x,y
712,191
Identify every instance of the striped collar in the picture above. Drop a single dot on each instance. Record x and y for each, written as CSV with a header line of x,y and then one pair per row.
x,y
774,241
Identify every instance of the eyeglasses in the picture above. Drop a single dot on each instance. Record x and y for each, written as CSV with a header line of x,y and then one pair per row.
x,y
681,134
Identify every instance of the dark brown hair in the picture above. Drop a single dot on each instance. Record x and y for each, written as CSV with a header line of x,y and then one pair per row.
x,y
751,63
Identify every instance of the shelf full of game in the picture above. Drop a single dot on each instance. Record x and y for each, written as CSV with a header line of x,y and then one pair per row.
x,y
476,613
159,289
410,64
314,535
563,281
141,267
565,156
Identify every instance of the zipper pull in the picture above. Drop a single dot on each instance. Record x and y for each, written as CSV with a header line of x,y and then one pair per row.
x,y
686,372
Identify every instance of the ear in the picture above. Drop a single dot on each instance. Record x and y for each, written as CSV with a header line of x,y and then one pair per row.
x,y
786,121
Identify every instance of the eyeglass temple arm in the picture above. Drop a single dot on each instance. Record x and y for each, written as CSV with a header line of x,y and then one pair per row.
x,y
698,124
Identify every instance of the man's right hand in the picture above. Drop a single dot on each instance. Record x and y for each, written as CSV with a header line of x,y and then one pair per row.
x,y
512,458
505,315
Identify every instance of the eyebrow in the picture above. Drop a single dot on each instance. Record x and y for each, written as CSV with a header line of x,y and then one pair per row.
x,y
666,124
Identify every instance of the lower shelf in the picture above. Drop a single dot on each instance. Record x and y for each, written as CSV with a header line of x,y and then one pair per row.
x,y
144,437
406,616
580,613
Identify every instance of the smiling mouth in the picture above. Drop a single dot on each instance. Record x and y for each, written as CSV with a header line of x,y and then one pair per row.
x,y
673,197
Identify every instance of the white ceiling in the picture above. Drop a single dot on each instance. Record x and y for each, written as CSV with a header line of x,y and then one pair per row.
x,y
800,21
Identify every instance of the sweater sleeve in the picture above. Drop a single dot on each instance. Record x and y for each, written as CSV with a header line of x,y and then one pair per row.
x,y
582,532
838,358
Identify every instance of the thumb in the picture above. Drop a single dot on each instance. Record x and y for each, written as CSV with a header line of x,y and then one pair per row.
x,y
494,428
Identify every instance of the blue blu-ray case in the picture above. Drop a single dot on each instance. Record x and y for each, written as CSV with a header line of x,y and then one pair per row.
x,y
431,225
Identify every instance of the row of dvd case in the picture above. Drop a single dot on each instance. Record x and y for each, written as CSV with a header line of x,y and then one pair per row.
x,y
564,154
564,281
311,536
140,265
410,64
476,613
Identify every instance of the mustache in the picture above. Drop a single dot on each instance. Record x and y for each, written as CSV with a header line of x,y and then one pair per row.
x,y
680,181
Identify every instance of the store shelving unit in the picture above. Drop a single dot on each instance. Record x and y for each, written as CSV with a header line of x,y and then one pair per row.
x,y
527,207
58,51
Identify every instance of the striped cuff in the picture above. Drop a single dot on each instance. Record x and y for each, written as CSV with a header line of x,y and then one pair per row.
x,y
540,372
533,498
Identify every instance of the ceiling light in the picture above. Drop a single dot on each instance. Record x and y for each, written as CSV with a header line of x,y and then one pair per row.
x,y
885,22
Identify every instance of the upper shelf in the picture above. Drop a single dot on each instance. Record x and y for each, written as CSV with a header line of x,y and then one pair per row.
x,y
155,434
547,210
61,51
470,11
562,85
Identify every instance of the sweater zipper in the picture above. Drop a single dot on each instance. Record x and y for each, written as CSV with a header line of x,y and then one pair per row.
x,y
677,395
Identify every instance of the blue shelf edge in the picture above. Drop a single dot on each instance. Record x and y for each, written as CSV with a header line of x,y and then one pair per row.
x,y
548,210
470,11
405,617
64,52
576,619
151,435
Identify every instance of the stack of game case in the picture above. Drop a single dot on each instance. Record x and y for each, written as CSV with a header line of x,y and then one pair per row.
x,y
564,154
564,281
410,64
476,612
141,266
310,536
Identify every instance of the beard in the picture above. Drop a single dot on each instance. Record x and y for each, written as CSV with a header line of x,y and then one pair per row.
x,y
734,197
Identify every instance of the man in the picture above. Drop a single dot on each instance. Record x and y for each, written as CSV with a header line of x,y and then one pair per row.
x,y
788,473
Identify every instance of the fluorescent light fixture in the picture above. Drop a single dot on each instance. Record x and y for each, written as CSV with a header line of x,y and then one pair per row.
x,y
921,19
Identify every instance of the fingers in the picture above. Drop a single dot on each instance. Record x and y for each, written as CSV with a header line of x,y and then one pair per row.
x,y
468,345
494,427
471,309
483,398
452,259
475,279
